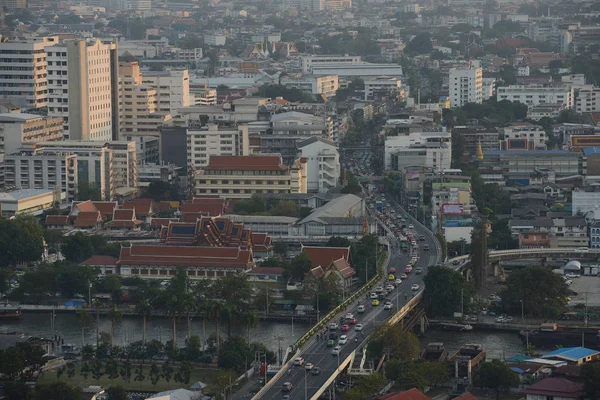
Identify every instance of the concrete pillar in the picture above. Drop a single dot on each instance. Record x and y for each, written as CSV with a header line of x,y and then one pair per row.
x,y
423,324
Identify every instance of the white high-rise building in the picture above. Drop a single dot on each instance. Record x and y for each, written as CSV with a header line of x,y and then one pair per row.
x,y
215,140
534,95
323,164
466,85
23,79
172,89
83,88
588,100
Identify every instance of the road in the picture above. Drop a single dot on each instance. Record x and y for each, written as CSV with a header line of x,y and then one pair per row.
x,y
321,356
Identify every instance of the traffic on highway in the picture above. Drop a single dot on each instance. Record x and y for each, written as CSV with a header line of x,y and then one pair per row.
x,y
413,250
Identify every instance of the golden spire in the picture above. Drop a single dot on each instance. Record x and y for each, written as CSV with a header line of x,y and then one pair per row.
x,y
479,153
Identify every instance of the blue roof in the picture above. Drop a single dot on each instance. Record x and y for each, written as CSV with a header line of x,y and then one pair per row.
x,y
591,150
518,358
517,370
571,353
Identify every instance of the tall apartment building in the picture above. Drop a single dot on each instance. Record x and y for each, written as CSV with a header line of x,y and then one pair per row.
x,y
139,117
108,165
18,128
466,86
239,177
32,169
23,80
588,100
172,89
323,164
215,140
83,88
535,95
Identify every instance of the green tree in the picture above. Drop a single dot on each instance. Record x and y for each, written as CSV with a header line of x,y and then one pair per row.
x,y
88,191
280,248
144,309
112,370
16,391
161,191
496,376
21,240
444,291
542,292
366,386
590,372
77,247
116,393
56,391
70,370
13,362
155,374
420,44
167,371
397,344
234,354
115,317
300,266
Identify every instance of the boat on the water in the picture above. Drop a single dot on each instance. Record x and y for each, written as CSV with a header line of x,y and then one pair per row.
x,y
435,352
550,335
8,311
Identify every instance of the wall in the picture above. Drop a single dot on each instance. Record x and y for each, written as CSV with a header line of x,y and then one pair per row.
x,y
453,234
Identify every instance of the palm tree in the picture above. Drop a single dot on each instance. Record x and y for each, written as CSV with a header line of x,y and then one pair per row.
x,y
189,305
204,309
215,311
115,316
144,308
84,319
250,318
174,310
229,312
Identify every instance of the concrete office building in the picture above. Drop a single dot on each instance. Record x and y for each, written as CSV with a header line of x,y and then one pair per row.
x,y
32,169
317,85
18,128
465,86
23,80
323,164
382,86
172,89
83,88
139,117
588,100
239,177
534,95
310,61
215,140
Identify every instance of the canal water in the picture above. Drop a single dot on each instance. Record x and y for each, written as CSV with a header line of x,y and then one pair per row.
x,y
130,329
498,345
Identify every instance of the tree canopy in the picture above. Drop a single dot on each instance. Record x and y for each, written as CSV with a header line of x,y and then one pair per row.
x,y
542,291
400,345
420,44
445,289
495,376
21,240
289,94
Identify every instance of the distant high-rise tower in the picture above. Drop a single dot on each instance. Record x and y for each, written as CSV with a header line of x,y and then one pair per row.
x,y
466,86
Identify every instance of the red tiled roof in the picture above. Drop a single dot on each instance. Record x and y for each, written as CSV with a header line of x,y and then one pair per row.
x,y
556,387
324,256
143,207
317,272
187,256
210,207
88,219
191,216
84,206
165,206
412,394
466,396
157,222
124,214
57,219
266,271
123,223
248,163
343,268
100,260
105,207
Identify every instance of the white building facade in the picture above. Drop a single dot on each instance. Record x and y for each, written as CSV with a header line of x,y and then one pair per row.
x,y
323,164
172,89
465,86
212,139
588,100
535,95
325,85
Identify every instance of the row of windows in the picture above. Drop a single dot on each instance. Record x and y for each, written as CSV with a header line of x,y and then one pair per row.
x,y
209,182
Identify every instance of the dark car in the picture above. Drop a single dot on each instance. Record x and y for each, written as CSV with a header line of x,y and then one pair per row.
x,y
315,371
333,336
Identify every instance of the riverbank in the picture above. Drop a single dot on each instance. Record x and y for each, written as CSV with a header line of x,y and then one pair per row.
x,y
490,324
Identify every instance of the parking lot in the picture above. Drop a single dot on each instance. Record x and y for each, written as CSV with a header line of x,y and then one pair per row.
x,y
589,285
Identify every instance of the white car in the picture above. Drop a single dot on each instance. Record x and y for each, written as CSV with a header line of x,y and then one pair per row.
x,y
387,306
411,226
358,327
390,287
361,308
398,281
349,316
336,350
343,339
333,326
373,296
414,287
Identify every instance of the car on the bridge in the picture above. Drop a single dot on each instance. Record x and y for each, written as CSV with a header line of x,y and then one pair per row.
x,y
375,302
315,371
298,361
331,343
387,306
358,327
411,226
408,269
287,386
398,281
349,316
390,287
373,295
391,277
414,287
352,321
404,276
345,328
418,271
421,237
455,262
308,366
361,308
333,326
392,270
343,339
336,350
426,247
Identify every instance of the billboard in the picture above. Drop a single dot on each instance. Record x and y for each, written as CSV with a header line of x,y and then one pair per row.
x,y
453,209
